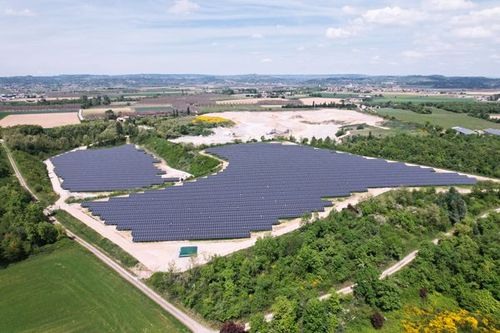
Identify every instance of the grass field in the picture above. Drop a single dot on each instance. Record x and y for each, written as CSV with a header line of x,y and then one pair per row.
x,y
93,237
394,127
420,99
65,289
439,117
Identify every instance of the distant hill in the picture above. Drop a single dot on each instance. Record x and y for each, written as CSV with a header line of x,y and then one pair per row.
x,y
152,80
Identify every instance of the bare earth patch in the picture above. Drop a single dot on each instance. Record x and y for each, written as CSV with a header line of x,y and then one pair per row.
x,y
250,101
300,124
46,120
320,100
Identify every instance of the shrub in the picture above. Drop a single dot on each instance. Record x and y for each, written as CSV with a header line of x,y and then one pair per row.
x,y
377,320
232,327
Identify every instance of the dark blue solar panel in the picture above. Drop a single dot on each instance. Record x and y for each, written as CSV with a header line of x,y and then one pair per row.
x,y
263,183
109,169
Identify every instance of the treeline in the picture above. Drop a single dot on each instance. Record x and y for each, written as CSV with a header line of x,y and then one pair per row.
x,y
87,102
286,274
171,128
475,109
23,226
472,154
46,142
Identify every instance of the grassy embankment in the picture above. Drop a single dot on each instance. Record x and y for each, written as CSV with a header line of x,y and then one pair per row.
x,y
35,173
182,157
93,237
66,289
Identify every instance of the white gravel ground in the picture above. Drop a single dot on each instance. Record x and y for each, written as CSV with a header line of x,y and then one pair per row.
x,y
301,124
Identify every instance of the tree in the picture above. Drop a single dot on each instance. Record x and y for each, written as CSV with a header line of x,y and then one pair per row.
x,y
366,284
232,327
285,316
258,323
377,320
109,115
47,232
423,293
388,295
457,208
106,100
314,318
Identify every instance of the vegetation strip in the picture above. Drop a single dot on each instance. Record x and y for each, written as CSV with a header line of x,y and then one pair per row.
x,y
89,235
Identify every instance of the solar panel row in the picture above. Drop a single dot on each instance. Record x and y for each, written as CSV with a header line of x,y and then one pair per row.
x,y
109,169
263,183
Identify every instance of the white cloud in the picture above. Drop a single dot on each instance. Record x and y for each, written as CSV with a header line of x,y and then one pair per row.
x,y
392,16
349,10
449,4
183,7
375,59
301,48
381,16
266,60
334,33
473,32
257,36
412,54
19,12
484,16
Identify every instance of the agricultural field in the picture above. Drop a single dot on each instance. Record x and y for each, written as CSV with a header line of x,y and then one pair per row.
x,y
38,107
100,111
319,100
153,109
4,114
239,107
252,101
397,98
46,120
438,117
72,291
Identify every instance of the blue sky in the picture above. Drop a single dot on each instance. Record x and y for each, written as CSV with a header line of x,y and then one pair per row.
x,y
450,37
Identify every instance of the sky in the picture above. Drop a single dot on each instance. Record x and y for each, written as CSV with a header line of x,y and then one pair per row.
x,y
378,37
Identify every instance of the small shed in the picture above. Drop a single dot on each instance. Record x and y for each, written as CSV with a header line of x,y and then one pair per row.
x,y
188,251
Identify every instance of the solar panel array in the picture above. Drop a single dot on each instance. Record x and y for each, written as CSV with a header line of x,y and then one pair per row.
x,y
108,169
262,183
